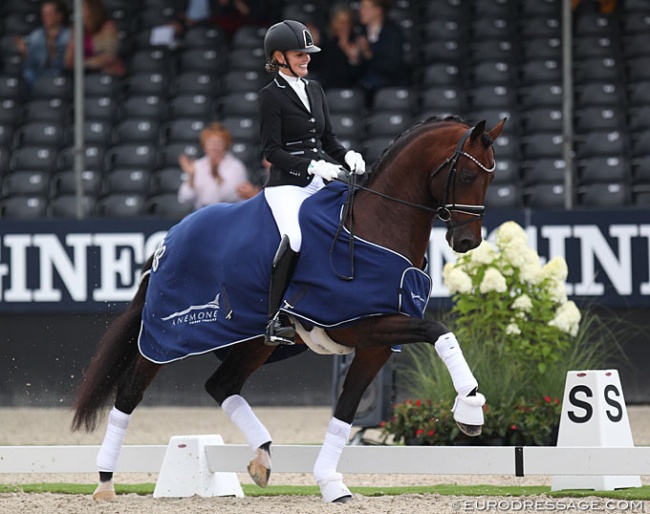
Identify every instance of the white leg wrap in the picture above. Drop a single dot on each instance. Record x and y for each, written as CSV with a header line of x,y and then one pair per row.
x,y
469,409
331,483
330,453
109,452
241,414
449,351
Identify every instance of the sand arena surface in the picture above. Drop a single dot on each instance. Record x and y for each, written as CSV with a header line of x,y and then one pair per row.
x,y
296,425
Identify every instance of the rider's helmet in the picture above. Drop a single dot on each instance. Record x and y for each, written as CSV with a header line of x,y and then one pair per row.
x,y
284,36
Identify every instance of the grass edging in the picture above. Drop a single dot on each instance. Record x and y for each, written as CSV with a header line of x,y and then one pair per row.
x,y
637,493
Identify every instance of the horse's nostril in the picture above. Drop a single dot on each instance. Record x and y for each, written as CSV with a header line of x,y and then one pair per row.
x,y
465,245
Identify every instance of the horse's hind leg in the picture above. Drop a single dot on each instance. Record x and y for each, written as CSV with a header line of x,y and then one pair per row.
x,y
226,384
129,395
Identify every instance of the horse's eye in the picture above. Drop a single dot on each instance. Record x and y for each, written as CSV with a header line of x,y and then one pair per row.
x,y
467,176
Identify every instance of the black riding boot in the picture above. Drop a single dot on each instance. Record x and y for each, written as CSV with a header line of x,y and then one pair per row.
x,y
280,329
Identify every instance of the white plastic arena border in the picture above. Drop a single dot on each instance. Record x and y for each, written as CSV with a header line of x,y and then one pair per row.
x,y
431,460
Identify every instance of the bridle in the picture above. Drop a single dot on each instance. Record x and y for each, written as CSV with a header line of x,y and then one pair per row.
x,y
442,212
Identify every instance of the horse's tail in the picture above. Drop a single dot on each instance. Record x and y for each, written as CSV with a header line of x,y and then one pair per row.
x,y
114,358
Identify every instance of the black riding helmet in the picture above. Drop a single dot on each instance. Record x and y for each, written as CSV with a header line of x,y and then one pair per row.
x,y
288,35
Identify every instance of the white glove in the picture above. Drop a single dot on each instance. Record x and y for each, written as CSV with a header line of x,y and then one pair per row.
x,y
356,163
325,170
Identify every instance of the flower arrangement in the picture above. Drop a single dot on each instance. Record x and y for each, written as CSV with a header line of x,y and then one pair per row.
x,y
430,423
507,291
520,335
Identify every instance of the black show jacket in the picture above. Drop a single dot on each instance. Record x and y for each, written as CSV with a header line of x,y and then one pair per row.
x,y
292,136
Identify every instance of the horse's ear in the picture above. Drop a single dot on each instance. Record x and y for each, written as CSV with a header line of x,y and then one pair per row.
x,y
496,131
477,131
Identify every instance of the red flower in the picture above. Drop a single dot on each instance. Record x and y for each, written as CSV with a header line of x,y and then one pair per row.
x,y
418,403
382,424
513,427
419,432
430,433
547,399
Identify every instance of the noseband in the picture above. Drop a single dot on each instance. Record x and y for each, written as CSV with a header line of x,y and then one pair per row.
x,y
444,211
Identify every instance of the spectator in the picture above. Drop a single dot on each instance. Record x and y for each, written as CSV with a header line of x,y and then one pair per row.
x,y
43,50
604,6
233,14
197,12
217,177
381,49
337,66
101,41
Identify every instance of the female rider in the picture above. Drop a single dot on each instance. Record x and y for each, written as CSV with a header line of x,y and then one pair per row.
x,y
298,141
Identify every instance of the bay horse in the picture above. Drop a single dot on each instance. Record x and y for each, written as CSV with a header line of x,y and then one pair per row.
x,y
439,168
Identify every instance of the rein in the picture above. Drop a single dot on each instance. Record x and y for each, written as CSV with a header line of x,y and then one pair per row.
x,y
442,212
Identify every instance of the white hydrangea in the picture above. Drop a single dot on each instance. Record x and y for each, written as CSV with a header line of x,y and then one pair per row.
x,y
523,303
516,252
457,281
530,268
567,318
493,280
483,253
556,291
513,329
510,233
556,268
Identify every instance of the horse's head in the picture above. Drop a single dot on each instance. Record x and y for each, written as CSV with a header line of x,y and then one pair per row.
x,y
459,184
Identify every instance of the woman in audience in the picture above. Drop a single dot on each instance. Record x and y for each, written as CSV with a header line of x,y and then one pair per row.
x,y
217,177
337,66
101,41
381,49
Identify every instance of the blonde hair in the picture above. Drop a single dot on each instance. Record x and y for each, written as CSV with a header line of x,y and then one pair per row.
x,y
216,129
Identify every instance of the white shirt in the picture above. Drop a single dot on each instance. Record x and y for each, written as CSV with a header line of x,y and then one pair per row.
x,y
206,190
299,87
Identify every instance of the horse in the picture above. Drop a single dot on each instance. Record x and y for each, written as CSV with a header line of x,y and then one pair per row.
x,y
439,168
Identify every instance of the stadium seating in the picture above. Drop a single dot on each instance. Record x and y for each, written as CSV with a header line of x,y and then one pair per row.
x,y
480,60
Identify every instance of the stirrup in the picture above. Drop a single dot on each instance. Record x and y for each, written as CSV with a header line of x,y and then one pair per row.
x,y
279,330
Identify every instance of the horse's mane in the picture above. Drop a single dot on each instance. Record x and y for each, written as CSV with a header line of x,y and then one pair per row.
x,y
402,139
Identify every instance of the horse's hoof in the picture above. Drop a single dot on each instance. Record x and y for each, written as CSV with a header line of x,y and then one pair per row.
x,y
468,413
260,467
470,430
334,490
104,492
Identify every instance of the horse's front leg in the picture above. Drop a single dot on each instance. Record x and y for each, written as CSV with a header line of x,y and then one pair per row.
x,y
396,330
366,364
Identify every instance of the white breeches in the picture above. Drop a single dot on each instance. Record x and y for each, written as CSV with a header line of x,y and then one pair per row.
x,y
285,202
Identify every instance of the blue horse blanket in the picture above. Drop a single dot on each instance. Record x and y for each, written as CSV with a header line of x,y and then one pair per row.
x,y
208,286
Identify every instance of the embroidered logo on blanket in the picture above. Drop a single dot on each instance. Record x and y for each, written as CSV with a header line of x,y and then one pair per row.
x,y
206,313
